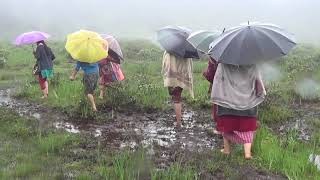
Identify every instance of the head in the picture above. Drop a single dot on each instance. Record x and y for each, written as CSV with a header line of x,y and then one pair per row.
x,y
40,42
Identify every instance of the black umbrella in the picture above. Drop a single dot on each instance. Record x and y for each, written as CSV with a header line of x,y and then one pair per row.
x,y
174,40
251,43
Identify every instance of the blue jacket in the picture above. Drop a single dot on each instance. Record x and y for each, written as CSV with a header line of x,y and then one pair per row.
x,y
87,67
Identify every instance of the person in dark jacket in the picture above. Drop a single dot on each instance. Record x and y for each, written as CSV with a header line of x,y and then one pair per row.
x,y
43,69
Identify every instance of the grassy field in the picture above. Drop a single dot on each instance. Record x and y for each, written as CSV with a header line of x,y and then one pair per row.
x,y
26,150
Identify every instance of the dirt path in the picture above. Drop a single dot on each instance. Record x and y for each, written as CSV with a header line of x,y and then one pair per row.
x,y
126,130
153,131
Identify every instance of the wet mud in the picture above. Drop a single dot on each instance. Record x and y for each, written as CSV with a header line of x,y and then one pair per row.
x,y
302,122
155,132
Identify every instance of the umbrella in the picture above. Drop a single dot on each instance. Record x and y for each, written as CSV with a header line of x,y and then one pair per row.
x,y
251,44
87,46
174,40
31,37
114,47
201,40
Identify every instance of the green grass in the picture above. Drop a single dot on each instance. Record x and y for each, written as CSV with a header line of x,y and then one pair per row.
x,y
176,171
274,113
285,155
26,151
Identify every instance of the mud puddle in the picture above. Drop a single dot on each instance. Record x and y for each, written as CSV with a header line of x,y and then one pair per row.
x,y
155,130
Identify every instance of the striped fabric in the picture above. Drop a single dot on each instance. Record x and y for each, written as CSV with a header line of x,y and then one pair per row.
x,y
240,137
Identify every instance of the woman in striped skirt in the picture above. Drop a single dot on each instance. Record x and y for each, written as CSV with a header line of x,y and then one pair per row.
x,y
236,92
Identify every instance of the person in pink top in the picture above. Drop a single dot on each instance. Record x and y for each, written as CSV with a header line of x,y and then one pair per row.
x,y
109,71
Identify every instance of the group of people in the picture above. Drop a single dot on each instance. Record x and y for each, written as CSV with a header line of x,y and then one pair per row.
x,y
236,91
102,72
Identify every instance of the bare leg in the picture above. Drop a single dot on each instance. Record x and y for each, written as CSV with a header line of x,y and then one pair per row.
x,y
93,104
247,150
37,77
45,95
102,90
226,146
177,108
45,90
47,87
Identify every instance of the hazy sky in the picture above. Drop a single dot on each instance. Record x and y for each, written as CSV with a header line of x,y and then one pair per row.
x,y
141,18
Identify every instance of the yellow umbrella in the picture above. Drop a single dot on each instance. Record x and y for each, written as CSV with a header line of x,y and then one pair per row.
x,y
86,46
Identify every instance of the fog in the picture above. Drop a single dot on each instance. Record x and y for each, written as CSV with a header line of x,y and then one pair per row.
x,y
270,73
308,88
141,18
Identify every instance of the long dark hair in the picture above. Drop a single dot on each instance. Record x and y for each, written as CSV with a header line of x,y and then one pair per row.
x,y
44,44
46,48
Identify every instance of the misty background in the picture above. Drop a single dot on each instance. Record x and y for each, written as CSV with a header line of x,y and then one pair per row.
x,y
141,18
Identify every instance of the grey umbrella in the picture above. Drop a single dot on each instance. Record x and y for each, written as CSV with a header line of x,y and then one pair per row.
x,y
114,47
202,39
251,44
174,40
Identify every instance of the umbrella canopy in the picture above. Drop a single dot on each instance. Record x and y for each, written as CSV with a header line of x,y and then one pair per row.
x,y
201,40
174,40
251,44
114,47
87,46
31,37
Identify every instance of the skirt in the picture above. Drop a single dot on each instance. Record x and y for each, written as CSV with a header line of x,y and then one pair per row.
x,y
175,93
90,82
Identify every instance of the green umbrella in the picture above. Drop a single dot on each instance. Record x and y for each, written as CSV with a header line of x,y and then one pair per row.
x,y
201,40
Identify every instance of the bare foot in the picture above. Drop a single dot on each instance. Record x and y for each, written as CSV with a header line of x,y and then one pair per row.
x,y
225,152
216,132
178,125
226,146
247,156
94,110
44,97
247,151
100,97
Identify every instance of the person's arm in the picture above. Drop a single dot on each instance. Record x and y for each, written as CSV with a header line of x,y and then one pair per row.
x,y
75,71
165,59
52,56
209,73
259,86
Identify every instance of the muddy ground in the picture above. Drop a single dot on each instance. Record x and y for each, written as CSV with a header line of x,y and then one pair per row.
x,y
131,130
304,115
